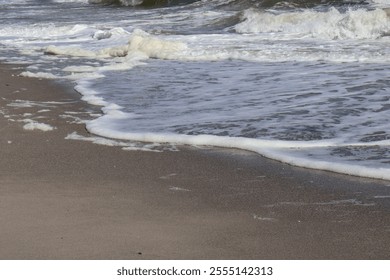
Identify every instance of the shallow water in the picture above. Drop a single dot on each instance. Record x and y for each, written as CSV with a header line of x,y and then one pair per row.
x,y
304,82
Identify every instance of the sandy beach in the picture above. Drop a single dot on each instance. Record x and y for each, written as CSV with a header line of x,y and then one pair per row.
x,y
72,199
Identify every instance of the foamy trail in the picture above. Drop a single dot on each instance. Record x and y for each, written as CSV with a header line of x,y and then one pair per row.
x,y
272,149
303,82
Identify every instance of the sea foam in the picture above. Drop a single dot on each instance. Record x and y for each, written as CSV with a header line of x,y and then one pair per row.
x,y
332,24
271,149
306,86
34,125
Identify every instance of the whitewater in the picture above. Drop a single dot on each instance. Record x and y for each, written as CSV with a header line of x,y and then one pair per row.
x,y
302,82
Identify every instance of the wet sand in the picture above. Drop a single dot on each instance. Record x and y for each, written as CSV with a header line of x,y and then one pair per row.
x,y
70,199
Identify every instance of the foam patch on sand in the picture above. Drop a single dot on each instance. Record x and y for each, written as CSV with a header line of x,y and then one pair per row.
x,y
30,104
126,146
33,125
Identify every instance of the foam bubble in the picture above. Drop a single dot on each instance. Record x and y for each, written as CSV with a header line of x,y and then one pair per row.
x,y
33,125
38,75
154,47
141,44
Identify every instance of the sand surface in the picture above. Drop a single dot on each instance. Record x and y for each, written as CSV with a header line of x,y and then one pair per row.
x,y
71,199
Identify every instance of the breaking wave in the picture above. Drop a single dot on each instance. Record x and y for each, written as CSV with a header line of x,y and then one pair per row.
x,y
238,4
332,24
143,3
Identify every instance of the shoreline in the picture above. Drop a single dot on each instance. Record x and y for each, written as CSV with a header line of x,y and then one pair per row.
x,y
72,199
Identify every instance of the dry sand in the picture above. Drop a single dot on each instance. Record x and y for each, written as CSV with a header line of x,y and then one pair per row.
x,y
68,199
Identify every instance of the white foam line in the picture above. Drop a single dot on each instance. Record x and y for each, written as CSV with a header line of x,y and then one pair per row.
x,y
272,149
29,104
110,142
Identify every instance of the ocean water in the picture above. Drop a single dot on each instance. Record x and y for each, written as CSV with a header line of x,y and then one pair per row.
x,y
305,82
